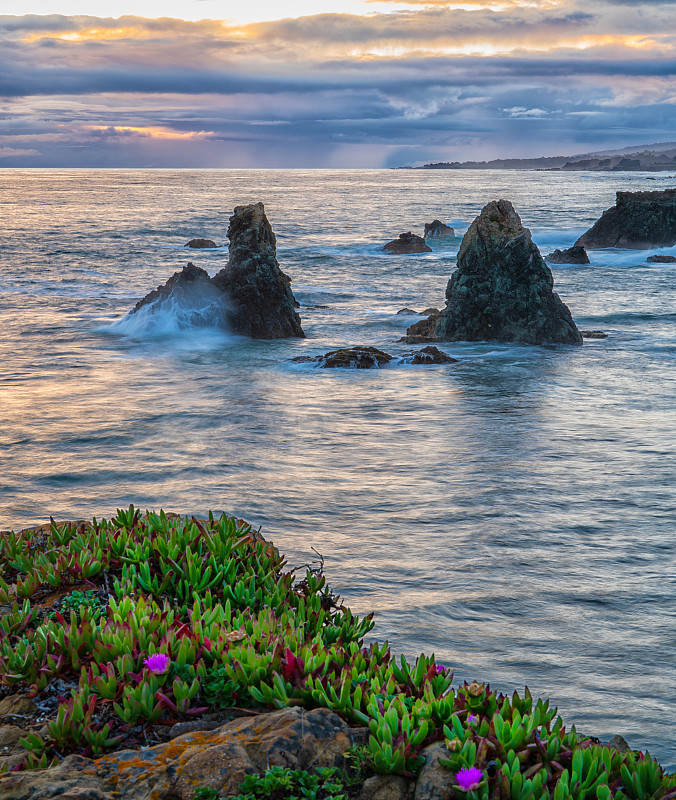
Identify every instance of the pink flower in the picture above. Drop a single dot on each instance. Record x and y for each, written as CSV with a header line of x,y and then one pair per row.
x,y
472,719
158,663
469,779
440,668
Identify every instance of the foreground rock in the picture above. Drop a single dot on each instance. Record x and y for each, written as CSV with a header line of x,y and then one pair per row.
x,y
407,243
261,303
292,737
437,230
251,296
661,259
349,358
201,244
573,255
638,220
502,289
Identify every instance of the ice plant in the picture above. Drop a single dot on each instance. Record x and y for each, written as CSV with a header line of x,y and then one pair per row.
x,y
158,663
440,669
469,779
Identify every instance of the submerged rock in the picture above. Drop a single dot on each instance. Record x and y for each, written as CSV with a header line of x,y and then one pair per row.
x,y
407,243
502,289
593,335
349,358
638,220
428,355
261,303
407,311
573,255
201,244
437,230
661,259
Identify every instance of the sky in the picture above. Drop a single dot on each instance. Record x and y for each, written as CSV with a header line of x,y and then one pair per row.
x,y
330,83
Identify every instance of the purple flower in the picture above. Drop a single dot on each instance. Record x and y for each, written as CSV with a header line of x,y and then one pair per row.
x,y
469,779
472,719
440,668
158,663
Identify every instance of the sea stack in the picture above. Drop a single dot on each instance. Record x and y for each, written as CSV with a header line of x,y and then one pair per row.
x,y
437,230
502,289
260,301
637,221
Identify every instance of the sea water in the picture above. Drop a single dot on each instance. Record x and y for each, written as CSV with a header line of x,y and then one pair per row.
x,y
512,512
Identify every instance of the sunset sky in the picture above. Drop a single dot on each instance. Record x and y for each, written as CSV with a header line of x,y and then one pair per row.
x,y
330,83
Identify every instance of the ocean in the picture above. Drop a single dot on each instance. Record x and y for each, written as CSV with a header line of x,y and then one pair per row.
x,y
514,513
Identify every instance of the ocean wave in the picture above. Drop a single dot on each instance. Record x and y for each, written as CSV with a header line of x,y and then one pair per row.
x,y
169,318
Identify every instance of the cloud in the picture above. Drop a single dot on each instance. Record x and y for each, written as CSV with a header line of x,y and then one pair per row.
x,y
476,81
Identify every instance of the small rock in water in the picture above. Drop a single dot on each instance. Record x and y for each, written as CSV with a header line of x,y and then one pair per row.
x,y
407,311
594,335
407,243
350,358
428,355
437,230
201,244
573,255
428,311
662,259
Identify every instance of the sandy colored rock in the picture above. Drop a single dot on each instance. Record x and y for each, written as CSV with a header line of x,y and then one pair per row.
x,y
387,787
17,705
434,781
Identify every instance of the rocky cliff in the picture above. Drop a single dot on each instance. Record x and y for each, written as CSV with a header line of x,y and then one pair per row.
x,y
638,220
502,289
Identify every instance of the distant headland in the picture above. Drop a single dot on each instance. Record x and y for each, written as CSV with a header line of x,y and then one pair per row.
x,y
647,157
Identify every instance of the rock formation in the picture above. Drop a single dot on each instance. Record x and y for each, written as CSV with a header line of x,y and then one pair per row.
x,y
428,355
661,259
191,290
638,220
502,289
201,244
251,296
261,303
358,357
407,243
437,230
573,255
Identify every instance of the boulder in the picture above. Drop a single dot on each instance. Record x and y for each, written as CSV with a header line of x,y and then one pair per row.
x,y
428,311
638,220
201,244
593,335
428,355
291,737
407,243
437,230
661,259
260,301
502,289
573,255
407,311
349,358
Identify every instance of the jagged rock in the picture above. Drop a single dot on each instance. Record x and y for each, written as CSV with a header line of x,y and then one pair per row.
x,y
437,230
593,335
502,289
349,358
573,255
638,220
191,288
261,303
201,244
407,311
407,243
661,259
428,355
291,737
